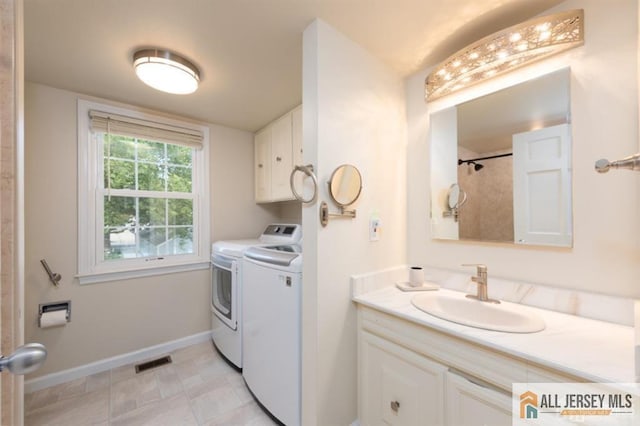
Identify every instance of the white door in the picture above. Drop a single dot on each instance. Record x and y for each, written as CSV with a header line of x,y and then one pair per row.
x,y
542,186
11,208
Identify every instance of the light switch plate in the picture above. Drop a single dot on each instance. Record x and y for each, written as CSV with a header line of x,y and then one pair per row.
x,y
374,229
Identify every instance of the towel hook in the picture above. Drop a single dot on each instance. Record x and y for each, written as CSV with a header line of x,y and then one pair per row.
x,y
53,276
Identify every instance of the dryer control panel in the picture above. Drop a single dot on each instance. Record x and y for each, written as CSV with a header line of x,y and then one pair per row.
x,y
282,233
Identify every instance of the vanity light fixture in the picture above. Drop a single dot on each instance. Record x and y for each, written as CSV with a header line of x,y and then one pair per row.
x,y
166,71
505,51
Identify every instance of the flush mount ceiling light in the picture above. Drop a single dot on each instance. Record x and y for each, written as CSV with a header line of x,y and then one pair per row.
x,y
166,71
505,51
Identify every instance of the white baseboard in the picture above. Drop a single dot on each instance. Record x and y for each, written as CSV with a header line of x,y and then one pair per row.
x,y
53,379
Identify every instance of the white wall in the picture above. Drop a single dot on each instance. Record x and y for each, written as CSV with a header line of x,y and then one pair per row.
x,y
354,112
113,318
444,173
605,256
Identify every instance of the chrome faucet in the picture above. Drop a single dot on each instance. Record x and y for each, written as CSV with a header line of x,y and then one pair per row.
x,y
481,280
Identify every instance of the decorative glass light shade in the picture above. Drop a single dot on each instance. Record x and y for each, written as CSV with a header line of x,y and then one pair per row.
x,y
505,51
166,71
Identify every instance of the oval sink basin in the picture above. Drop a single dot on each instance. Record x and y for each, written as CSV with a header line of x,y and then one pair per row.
x,y
489,316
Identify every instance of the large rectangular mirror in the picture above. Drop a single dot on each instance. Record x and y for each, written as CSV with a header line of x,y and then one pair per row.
x,y
501,166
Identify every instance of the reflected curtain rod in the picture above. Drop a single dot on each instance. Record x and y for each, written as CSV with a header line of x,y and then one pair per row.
x,y
484,158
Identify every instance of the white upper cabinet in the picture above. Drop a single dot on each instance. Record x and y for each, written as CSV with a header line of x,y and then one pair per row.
x,y
277,148
296,116
262,151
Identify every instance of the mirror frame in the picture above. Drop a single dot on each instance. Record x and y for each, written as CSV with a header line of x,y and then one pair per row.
x,y
333,175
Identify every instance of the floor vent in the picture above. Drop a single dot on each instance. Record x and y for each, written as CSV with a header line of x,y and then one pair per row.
x,y
153,364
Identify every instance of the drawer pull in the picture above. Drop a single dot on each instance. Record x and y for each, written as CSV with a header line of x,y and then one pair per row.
x,y
278,158
479,382
395,406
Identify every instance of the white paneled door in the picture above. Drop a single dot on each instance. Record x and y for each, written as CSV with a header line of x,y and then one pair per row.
x,y
542,186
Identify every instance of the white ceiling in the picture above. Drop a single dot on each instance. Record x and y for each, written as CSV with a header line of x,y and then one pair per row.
x,y
249,51
487,124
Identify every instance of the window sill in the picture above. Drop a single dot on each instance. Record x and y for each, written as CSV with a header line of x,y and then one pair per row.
x,y
94,278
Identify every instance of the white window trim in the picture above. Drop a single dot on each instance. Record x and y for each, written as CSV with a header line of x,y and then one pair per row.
x,y
90,270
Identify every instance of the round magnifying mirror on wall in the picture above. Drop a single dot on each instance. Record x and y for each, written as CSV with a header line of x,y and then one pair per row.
x,y
455,196
345,185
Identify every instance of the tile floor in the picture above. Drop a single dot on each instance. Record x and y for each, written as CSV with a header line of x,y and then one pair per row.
x,y
197,388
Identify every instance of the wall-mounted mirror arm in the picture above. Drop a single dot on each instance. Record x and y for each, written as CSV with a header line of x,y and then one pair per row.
x,y
325,215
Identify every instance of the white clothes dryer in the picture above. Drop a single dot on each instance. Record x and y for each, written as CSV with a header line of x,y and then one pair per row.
x,y
272,299
226,286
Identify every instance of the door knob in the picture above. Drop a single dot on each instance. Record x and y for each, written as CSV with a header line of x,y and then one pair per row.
x,y
26,359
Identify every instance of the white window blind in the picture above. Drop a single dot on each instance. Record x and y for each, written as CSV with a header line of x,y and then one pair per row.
x,y
138,128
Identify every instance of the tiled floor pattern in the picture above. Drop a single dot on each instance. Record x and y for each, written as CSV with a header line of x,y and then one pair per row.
x,y
198,388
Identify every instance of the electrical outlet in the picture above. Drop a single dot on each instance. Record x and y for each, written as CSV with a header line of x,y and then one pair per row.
x,y
374,229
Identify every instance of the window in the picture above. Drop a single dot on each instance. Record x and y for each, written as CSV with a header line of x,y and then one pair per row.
x,y
143,203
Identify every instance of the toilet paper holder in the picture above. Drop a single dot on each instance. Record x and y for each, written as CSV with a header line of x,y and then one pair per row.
x,y
53,307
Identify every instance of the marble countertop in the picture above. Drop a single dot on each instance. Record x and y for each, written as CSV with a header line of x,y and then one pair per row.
x,y
595,350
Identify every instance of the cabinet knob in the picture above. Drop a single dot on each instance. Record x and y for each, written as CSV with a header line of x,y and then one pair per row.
x,y
260,165
395,406
278,158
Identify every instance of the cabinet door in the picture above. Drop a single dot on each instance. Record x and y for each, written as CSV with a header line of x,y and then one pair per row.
x,y
296,146
397,386
281,159
475,404
296,125
262,165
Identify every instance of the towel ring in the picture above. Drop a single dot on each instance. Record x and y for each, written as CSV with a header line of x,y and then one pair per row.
x,y
307,170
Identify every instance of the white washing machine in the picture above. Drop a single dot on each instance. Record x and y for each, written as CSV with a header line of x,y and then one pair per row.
x,y
226,286
272,302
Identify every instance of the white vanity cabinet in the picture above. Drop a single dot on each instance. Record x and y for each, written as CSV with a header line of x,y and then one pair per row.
x,y
276,149
410,374
398,387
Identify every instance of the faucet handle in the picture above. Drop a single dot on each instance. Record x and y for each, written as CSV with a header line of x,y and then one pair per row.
x,y
481,267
